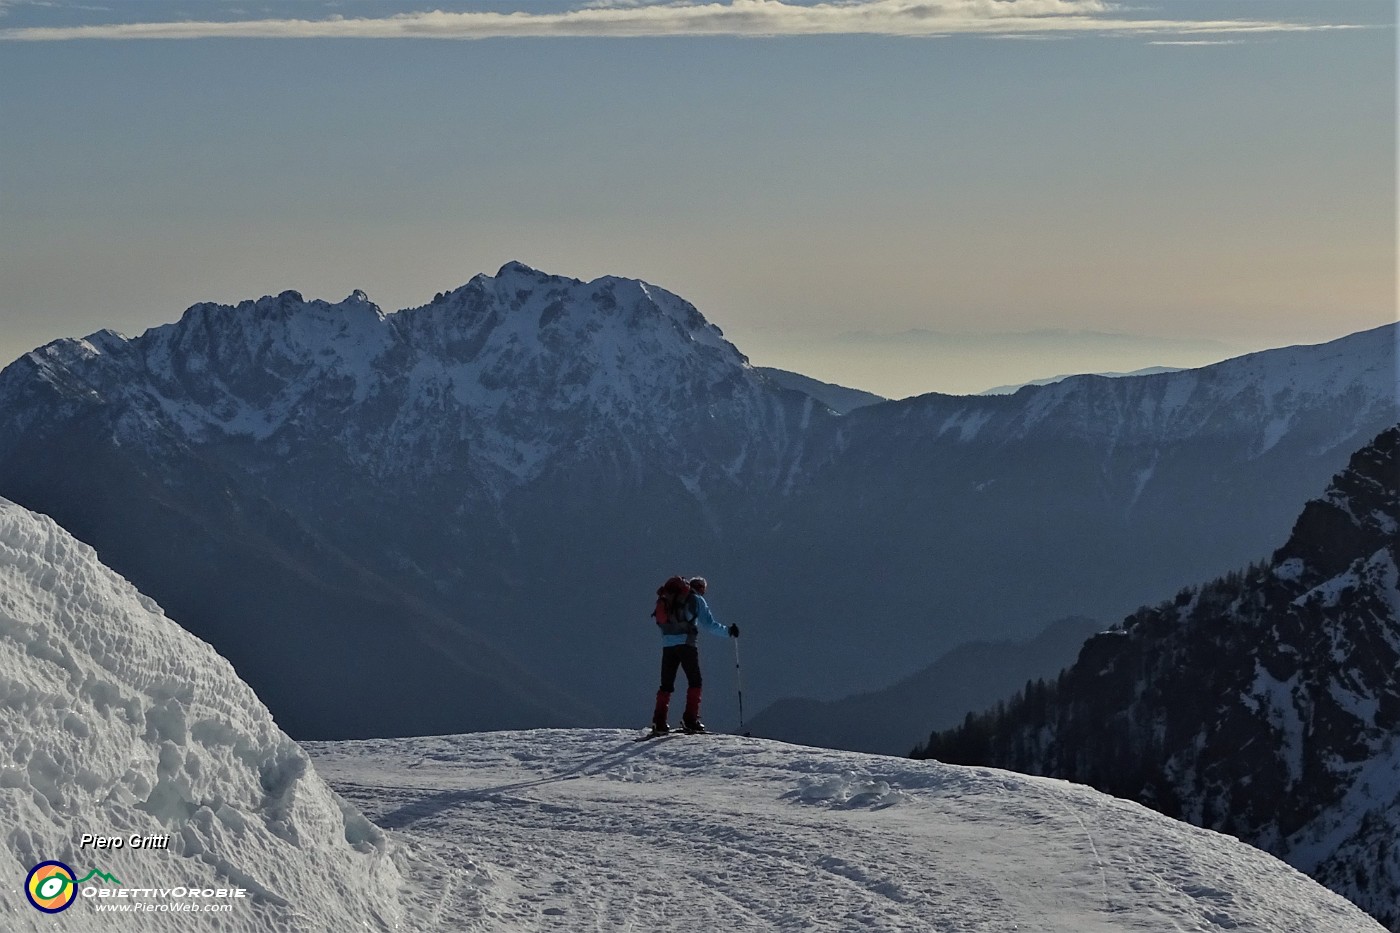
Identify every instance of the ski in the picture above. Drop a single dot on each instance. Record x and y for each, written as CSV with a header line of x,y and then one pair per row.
x,y
645,736
653,734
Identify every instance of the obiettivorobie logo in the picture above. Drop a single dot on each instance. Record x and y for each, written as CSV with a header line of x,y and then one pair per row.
x,y
53,886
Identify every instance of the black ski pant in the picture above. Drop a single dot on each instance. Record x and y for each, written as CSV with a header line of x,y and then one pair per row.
x,y
685,657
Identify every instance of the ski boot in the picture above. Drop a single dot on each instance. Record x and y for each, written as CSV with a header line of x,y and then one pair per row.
x,y
690,719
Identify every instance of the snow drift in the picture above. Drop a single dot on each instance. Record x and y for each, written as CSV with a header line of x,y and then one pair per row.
x,y
116,722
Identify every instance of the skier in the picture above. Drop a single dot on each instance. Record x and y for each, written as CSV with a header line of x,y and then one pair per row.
x,y
678,649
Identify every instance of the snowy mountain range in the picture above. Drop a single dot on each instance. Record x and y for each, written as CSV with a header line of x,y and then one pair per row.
x,y
1265,704
117,723
476,498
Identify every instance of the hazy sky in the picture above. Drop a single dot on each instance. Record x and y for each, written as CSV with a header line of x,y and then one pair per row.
x,y
902,195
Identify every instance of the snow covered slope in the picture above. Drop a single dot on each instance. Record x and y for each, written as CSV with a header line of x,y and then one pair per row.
x,y
116,722
1265,704
588,830
838,398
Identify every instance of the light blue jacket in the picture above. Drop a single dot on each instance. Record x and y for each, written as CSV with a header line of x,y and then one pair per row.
x,y
703,619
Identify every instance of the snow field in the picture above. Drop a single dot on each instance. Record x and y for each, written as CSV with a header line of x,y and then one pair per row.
x,y
564,830
115,721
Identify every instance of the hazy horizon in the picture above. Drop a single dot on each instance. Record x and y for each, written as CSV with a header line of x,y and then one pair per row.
x,y
917,361
1204,177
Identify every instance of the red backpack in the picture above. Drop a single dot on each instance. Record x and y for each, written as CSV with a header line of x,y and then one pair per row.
x,y
670,597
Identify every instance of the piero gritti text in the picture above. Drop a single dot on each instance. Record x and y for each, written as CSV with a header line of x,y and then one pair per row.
x,y
134,841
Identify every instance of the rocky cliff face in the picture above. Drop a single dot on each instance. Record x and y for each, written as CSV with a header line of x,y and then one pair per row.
x,y
1265,704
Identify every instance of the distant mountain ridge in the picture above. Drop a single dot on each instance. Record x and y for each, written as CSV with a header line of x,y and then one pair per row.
x,y
839,399
1015,387
482,493
1265,705
892,720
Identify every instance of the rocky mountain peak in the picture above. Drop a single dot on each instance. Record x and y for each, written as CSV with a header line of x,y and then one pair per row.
x,y
500,374
625,328
1359,515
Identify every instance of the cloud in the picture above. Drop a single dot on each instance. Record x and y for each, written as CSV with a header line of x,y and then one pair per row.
x,y
630,18
7,5
1194,42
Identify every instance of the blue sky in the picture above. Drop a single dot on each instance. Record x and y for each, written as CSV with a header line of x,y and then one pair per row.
x,y
1197,179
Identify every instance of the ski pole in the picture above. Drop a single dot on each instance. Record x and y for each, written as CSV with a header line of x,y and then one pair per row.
x,y
739,680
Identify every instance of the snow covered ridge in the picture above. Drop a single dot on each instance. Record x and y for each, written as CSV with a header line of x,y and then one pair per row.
x,y
499,374
116,723
584,830
1265,704
504,374
1272,393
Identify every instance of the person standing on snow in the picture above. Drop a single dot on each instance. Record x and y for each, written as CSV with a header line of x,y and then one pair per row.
x,y
678,650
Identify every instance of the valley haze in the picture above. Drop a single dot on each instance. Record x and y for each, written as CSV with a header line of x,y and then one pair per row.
x,y
436,467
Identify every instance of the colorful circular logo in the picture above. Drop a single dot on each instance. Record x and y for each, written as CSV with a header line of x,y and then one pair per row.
x,y
51,887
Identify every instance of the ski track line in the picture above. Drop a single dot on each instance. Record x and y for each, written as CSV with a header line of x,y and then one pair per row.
x,y
428,870
701,836
1067,805
714,840
432,801
637,838
755,846
744,908
530,865
725,841
865,887
719,841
